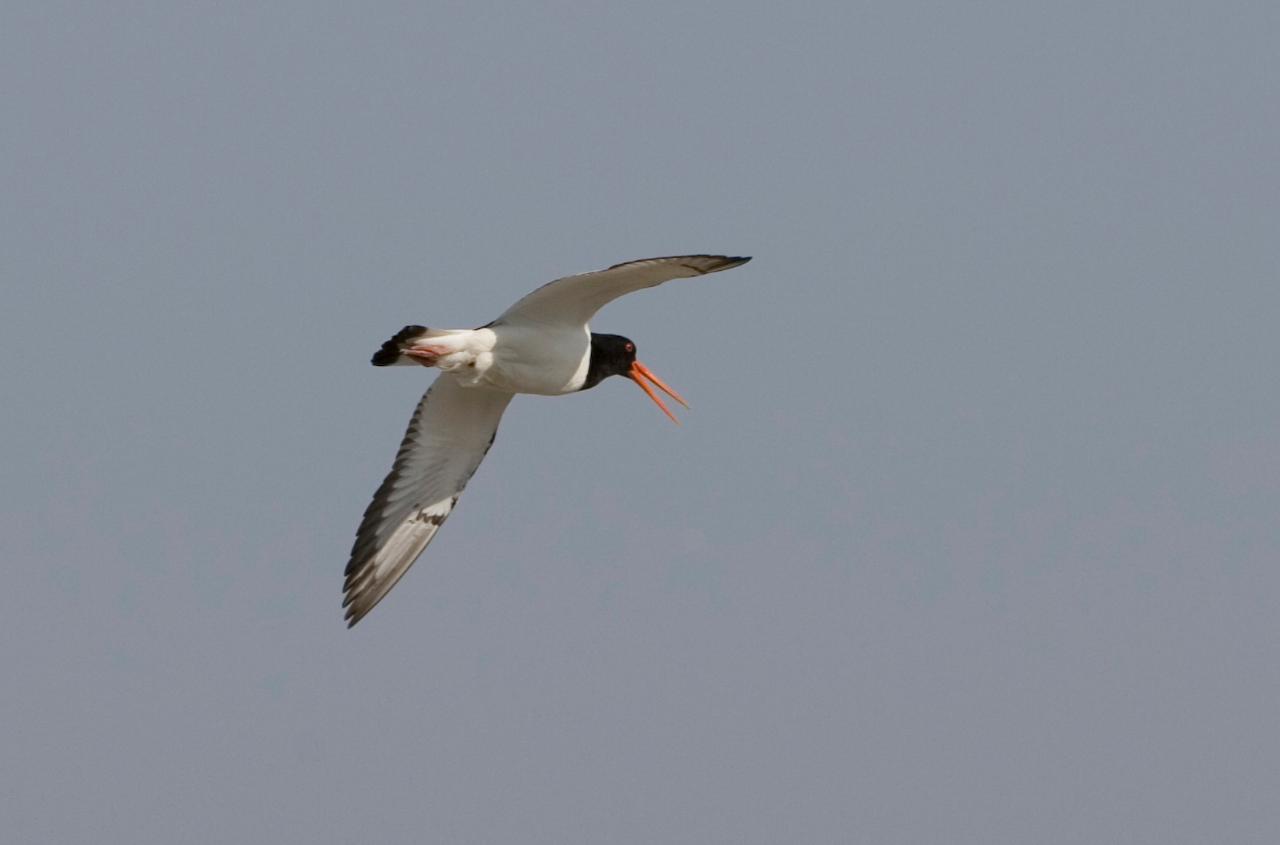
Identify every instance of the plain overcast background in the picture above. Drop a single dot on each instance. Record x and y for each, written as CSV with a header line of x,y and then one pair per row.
x,y
971,535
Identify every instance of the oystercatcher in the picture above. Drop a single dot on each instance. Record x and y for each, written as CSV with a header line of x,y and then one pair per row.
x,y
541,345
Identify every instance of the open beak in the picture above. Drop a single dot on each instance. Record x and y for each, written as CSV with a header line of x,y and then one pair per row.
x,y
640,373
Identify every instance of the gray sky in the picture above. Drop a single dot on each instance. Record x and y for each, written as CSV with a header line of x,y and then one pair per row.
x,y
971,535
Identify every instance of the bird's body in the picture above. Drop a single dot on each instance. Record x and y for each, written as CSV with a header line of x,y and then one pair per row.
x,y
516,358
541,345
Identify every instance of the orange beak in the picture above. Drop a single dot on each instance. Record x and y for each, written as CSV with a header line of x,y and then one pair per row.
x,y
639,372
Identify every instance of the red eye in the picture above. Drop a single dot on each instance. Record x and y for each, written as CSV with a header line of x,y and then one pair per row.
x,y
631,347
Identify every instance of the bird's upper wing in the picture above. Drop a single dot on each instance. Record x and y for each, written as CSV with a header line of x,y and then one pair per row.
x,y
574,299
451,430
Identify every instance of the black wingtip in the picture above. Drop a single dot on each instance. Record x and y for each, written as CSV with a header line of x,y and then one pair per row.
x,y
390,351
350,613
724,262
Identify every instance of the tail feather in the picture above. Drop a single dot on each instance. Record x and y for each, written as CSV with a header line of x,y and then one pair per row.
x,y
389,354
392,352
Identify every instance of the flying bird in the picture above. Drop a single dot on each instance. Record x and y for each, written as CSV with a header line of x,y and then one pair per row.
x,y
540,345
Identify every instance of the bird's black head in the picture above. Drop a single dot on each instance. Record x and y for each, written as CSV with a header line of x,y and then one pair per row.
x,y
615,355
611,355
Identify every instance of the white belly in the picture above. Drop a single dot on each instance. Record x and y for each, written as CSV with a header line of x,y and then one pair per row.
x,y
543,360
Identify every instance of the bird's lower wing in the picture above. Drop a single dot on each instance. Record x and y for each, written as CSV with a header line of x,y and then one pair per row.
x,y
451,430
574,299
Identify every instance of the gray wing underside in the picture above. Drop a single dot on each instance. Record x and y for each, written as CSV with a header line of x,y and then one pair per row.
x,y
448,436
575,299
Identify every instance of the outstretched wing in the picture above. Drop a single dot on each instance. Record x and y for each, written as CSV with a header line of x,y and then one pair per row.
x,y
574,299
451,430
